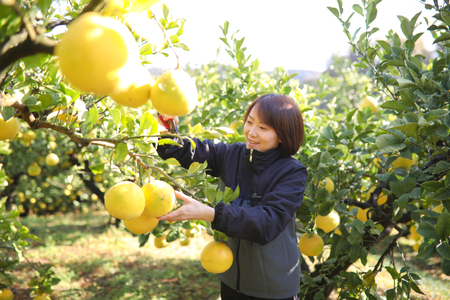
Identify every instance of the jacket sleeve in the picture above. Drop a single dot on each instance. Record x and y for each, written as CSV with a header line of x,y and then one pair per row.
x,y
187,154
263,223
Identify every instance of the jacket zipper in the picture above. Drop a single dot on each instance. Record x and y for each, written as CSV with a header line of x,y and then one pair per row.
x,y
238,277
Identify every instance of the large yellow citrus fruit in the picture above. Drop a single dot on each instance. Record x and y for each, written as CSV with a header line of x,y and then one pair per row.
x,y
174,93
159,198
29,135
414,235
369,279
438,208
362,213
52,159
8,129
160,241
141,224
141,5
329,222
125,200
34,170
216,257
369,101
403,163
382,199
64,116
138,93
95,54
329,184
184,241
6,294
311,246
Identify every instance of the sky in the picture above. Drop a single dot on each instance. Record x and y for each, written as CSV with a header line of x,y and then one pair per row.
x,y
294,34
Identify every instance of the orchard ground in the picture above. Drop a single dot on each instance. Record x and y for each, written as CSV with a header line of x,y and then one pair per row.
x,y
95,261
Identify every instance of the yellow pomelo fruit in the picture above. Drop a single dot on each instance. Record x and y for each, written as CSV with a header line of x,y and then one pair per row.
x,y
138,93
6,294
416,246
160,241
98,177
311,246
141,224
216,257
159,198
34,170
367,194
414,235
235,125
142,5
329,222
185,241
362,213
174,93
64,116
194,231
29,135
52,159
438,208
52,145
403,163
369,101
329,184
95,54
125,200
369,279
8,129
382,199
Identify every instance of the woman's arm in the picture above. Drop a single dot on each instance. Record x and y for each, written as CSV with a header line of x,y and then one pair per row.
x,y
191,210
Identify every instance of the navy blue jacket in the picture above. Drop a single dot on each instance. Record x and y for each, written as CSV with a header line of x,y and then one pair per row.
x,y
260,223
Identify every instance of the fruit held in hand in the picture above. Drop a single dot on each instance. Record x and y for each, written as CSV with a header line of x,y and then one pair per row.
x,y
125,200
159,198
141,225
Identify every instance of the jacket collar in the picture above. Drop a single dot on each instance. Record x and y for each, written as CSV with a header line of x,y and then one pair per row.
x,y
261,160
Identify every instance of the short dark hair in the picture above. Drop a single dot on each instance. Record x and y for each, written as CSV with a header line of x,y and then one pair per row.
x,y
282,114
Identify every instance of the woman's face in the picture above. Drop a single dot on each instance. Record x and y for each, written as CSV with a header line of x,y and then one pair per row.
x,y
258,135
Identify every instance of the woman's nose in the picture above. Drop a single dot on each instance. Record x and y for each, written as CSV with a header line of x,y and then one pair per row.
x,y
252,132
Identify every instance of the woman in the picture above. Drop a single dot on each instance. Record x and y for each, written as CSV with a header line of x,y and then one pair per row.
x,y
260,223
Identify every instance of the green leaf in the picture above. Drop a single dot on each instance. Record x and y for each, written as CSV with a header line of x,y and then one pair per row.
x,y
444,249
165,11
395,105
407,28
326,207
7,113
97,168
116,115
92,117
147,121
404,83
432,186
426,229
415,287
358,9
121,151
334,11
194,167
441,167
387,143
435,114
443,226
394,273
442,37
168,142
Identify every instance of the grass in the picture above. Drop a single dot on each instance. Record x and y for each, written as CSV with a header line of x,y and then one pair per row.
x,y
98,262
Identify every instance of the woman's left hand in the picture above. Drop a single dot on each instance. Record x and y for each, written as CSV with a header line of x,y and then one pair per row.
x,y
191,210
